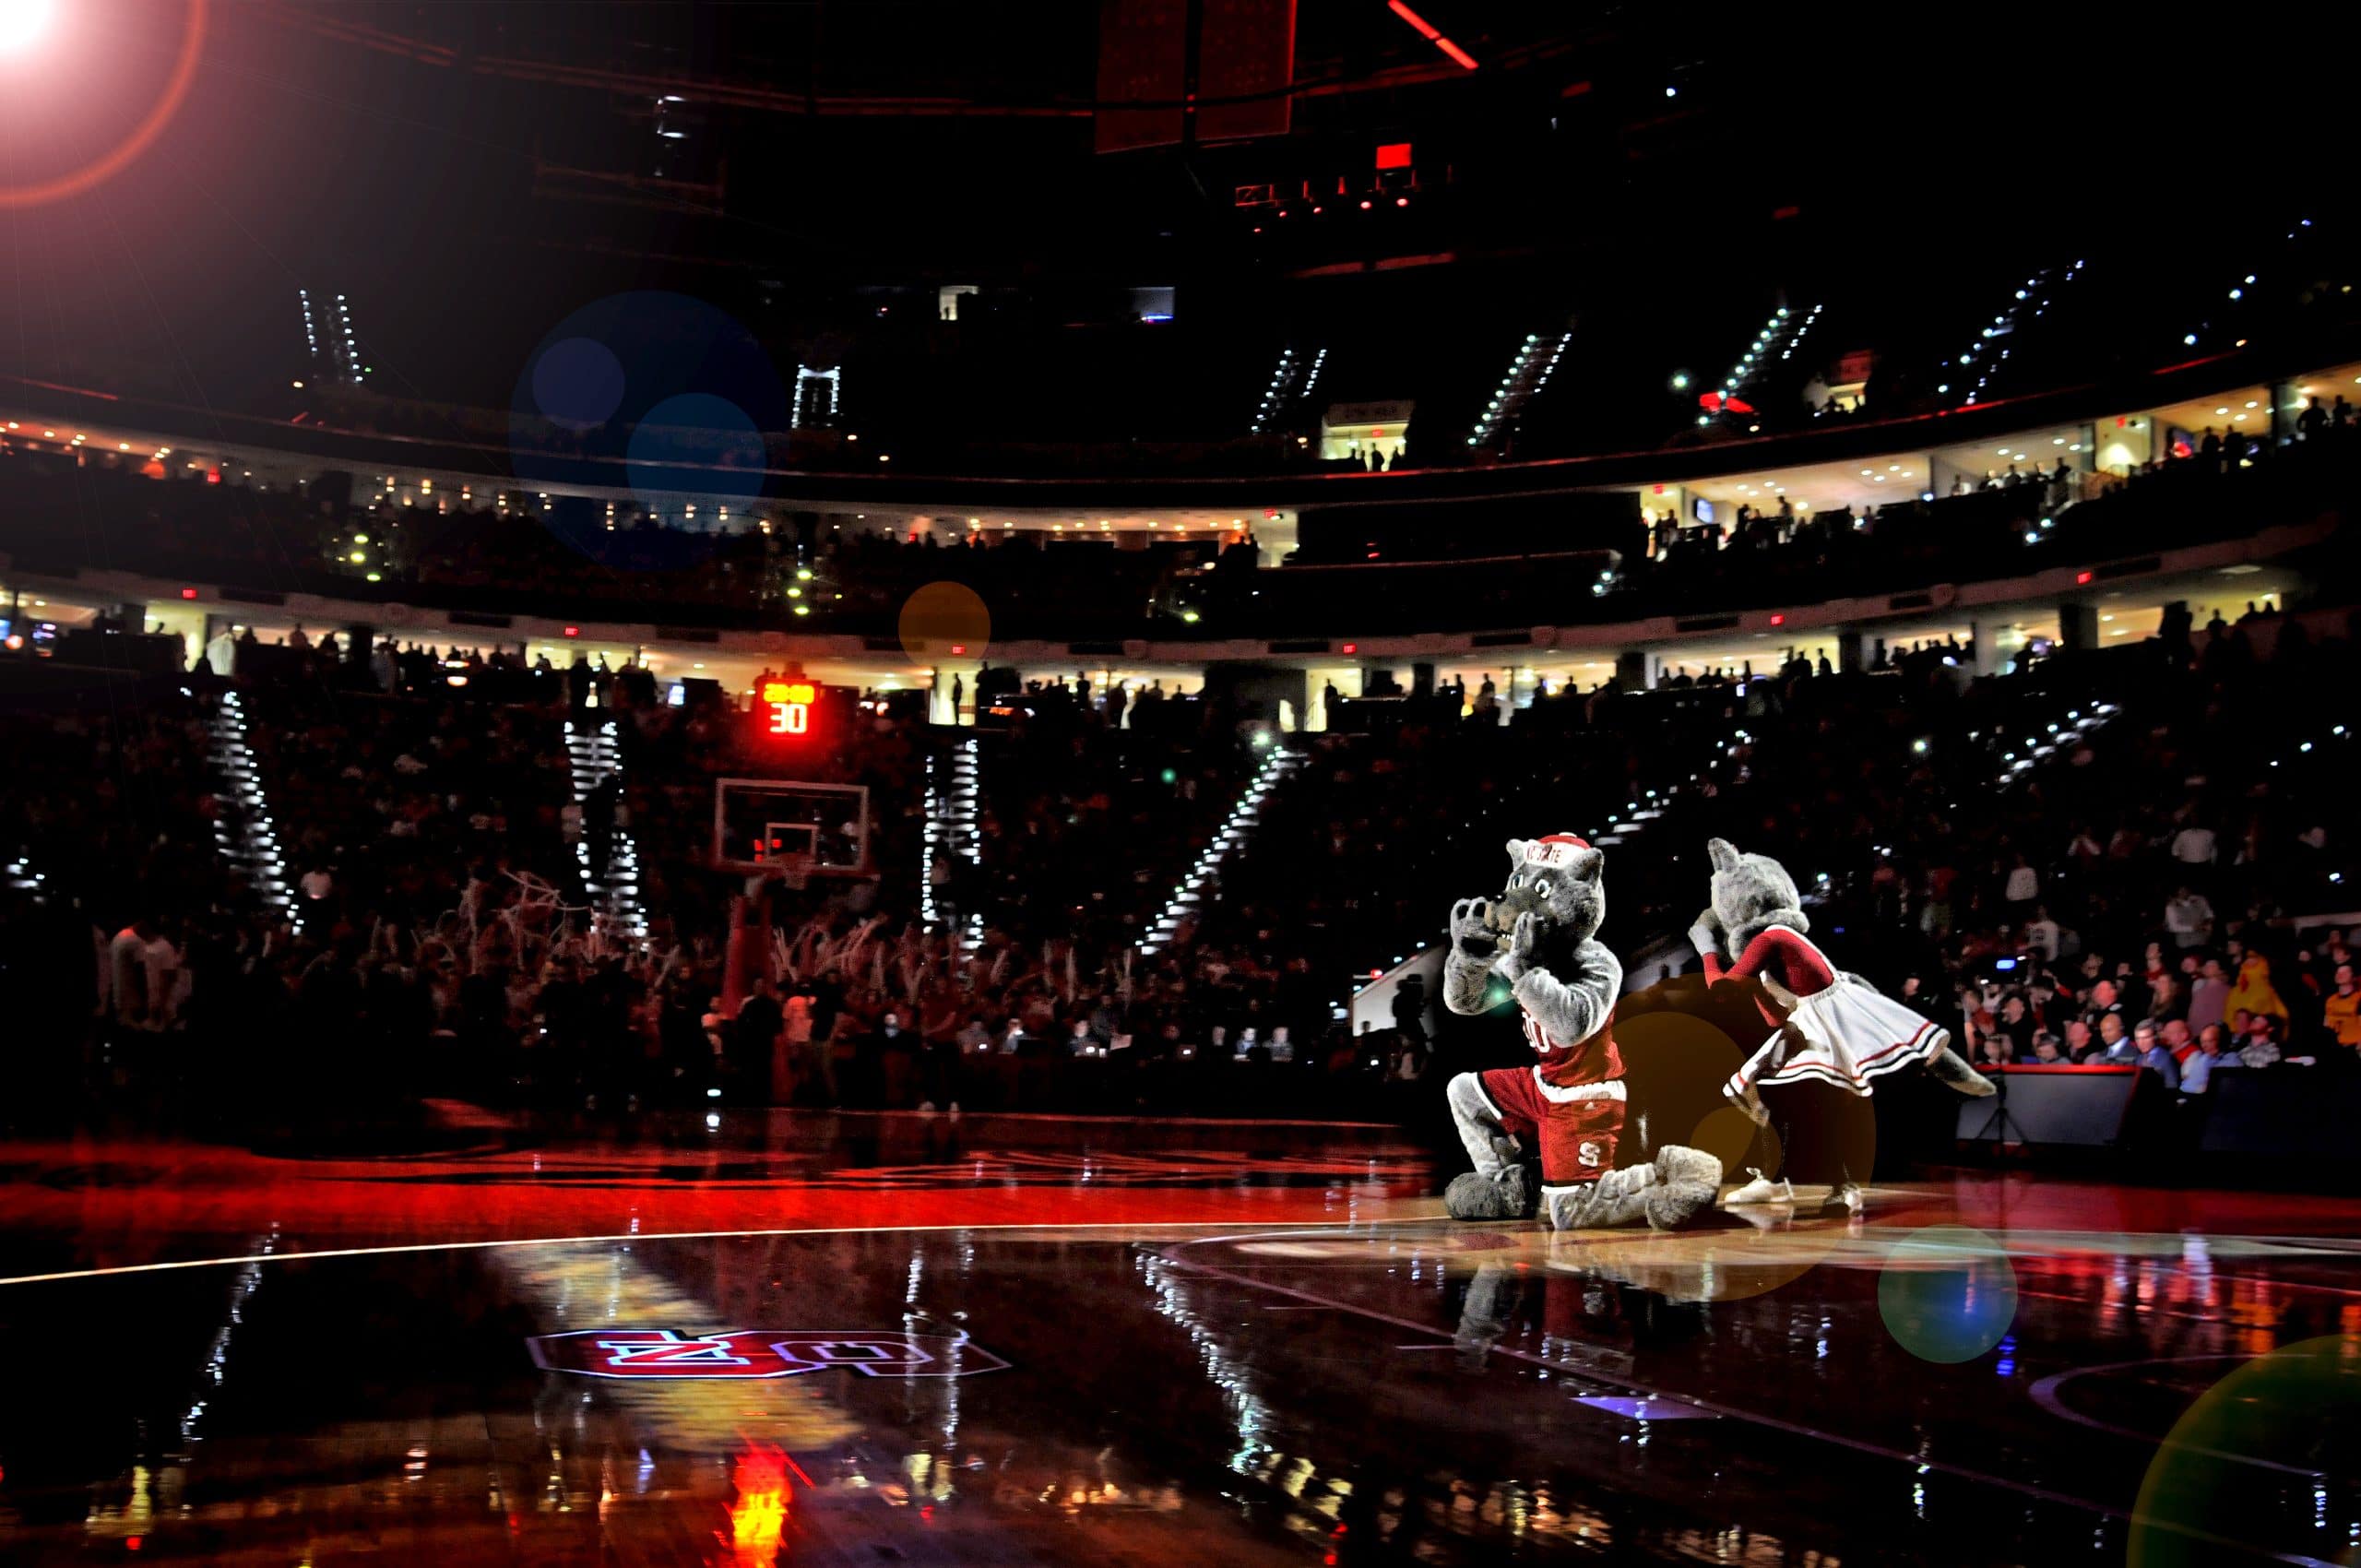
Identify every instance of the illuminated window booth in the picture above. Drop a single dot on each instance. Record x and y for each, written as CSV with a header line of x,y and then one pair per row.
x,y
1356,431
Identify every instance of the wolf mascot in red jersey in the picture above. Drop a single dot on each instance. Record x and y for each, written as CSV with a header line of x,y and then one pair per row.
x,y
1540,936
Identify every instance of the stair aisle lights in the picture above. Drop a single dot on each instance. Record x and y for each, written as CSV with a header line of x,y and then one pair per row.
x,y
246,836
1536,357
1985,355
1275,394
595,756
1293,377
1784,333
951,828
1227,842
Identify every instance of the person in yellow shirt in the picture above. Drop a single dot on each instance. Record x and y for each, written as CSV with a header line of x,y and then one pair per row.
x,y
2341,1011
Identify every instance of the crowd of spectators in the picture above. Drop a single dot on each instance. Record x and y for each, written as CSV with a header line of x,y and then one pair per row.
x,y
434,933
436,942
519,552
2131,893
1990,847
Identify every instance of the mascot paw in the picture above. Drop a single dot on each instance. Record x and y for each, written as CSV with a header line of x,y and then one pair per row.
x,y
1471,929
1677,1164
1670,1205
1523,945
1473,1196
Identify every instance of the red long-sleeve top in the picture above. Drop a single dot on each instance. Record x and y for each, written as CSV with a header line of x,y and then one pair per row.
x,y
1784,955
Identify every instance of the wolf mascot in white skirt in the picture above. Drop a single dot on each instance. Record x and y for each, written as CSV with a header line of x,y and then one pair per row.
x,y
1839,1029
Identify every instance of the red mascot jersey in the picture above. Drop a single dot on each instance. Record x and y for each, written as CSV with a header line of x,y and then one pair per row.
x,y
1571,1100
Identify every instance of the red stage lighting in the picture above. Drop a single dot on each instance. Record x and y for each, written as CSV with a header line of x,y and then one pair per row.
x,y
1427,30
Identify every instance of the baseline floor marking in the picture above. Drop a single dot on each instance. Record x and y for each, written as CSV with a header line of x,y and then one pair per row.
x,y
304,1255
2045,1394
1797,1428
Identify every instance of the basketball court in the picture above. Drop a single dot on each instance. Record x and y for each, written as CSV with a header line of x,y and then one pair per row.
x,y
893,1337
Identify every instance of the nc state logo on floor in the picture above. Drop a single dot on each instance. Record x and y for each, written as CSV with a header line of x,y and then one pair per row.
x,y
658,1353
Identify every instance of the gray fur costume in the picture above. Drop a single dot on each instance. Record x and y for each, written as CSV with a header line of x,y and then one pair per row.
x,y
1540,936
1752,895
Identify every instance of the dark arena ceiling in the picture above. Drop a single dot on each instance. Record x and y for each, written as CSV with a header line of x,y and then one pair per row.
x,y
471,171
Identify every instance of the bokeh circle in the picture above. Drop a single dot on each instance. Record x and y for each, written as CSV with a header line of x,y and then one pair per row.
x,y
698,443
577,383
2296,1409
654,393
1680,1040
944,620
1947,1293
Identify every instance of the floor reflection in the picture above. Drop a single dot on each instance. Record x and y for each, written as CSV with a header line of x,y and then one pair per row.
x,y
758,1514
1392,1388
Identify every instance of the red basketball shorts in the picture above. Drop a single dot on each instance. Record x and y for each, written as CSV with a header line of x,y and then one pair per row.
x,y
1576,1136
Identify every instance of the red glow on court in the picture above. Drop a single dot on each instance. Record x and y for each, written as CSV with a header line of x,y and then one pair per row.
x,y
758,1517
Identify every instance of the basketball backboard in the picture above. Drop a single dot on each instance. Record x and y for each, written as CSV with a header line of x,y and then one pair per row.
x,y
773,826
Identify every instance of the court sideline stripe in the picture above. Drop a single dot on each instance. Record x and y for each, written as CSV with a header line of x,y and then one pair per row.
x,y
311,1254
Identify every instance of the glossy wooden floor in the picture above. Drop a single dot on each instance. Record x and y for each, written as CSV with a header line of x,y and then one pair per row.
x,y
1184,1343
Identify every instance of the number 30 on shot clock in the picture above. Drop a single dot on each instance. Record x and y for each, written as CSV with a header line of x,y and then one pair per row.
x,y
785,707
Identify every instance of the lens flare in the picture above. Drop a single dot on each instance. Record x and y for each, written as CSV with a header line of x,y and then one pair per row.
x,y
22,23
941,616
1947,1293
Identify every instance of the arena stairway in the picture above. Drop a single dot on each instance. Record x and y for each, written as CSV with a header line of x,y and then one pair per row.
x,y
1527,374
594,755
1292,379
244,834
952,828
1227,842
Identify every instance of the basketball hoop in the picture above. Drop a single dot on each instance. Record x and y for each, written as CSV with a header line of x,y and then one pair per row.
x,y
792,870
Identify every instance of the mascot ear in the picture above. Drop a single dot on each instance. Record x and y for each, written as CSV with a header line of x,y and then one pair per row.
x,y
1516,855
1585,865
1722,853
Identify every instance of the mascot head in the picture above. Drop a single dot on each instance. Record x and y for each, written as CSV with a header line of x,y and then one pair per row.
x,y
1559,878
1752,894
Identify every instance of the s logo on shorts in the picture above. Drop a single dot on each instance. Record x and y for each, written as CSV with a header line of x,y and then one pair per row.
x,y
1587,1153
